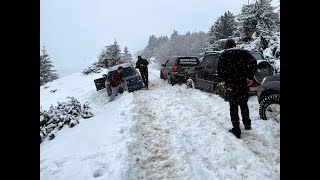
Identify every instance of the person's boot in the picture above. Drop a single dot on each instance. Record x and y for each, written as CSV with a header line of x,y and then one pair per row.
x,y
247,127
236,132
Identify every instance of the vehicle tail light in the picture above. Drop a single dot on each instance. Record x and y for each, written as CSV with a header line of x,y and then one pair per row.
x,y
175,68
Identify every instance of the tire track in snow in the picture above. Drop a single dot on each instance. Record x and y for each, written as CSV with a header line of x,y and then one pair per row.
x,y
210,122
151,157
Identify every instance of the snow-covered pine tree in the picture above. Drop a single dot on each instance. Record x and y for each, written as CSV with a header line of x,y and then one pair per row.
x,y
247,21
211,34
109,55
266,17
126,55
65,113
258,18
224,27
106,58
190,44
153,46
174,35
113,54
47,74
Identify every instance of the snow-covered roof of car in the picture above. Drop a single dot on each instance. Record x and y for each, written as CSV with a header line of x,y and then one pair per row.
x,y
124,65
213,52
185,56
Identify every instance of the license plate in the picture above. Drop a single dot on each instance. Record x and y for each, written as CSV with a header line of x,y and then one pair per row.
x,y
254,88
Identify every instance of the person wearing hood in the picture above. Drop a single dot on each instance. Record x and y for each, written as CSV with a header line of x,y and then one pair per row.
x,y
142,65
237,68
116,82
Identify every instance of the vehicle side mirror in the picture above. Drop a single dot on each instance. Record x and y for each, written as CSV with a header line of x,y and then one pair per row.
x,y
104,75
163,65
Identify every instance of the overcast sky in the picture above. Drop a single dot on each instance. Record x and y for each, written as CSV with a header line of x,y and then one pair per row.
x,y
75,31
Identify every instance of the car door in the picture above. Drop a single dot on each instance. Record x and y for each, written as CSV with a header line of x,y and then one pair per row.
x,y
100,83
164,70
168,67
207,76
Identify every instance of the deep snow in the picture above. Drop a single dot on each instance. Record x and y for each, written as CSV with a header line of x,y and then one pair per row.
x,y
167,132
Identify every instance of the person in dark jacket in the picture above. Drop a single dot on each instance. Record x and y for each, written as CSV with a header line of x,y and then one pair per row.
x,y
237,68
142,65
116,82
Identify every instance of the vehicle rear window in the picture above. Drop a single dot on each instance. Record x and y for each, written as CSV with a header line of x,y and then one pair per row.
x,y
128,71
210,61
189,61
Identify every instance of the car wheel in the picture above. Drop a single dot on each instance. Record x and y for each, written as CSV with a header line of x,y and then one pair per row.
x,y
270,108
190,83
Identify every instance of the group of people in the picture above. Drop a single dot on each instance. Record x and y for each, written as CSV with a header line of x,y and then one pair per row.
x,y
117,80
236,67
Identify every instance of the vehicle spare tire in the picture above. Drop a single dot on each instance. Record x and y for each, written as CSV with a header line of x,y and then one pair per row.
x,y
264,69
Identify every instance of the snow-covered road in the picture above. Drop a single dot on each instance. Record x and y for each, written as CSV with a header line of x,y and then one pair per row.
x,y
167,132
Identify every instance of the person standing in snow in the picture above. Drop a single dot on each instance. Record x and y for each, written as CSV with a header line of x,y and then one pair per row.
x,y
142,65
237,68
116,82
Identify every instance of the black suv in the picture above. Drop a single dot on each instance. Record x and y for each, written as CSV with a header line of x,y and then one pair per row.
x,y
205,76
269,98
175,69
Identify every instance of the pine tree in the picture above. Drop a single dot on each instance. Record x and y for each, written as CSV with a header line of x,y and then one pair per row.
x,y
126,57
106,58
224,27
47,74
109,55
266,17
211,34
211,31
153,46
259,18
190,44
174,35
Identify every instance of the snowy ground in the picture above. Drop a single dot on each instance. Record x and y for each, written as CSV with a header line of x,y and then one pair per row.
x,y
167,132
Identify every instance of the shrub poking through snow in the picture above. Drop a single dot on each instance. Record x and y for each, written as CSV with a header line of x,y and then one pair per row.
x,y
65,113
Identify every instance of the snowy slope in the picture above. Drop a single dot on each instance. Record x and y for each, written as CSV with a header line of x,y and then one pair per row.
x,y
167,132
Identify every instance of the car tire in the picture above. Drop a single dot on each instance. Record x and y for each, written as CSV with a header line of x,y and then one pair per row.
x,y
190,83
270,108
